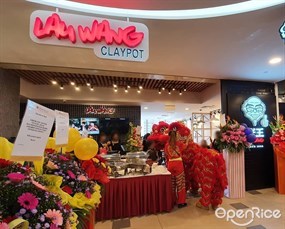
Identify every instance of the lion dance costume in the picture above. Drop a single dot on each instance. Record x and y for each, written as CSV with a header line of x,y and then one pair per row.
x,y
204,168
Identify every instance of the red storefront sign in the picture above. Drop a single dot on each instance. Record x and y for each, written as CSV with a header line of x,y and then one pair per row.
x,y
111,39
100,31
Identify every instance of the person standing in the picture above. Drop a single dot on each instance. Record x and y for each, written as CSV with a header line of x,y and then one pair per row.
x,y
176,168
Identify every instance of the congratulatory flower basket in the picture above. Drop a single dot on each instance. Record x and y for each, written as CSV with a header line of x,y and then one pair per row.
x,y
278,142
233,140
61,191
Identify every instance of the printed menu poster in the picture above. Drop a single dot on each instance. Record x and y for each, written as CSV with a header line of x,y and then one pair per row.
x,y
34,132
61,128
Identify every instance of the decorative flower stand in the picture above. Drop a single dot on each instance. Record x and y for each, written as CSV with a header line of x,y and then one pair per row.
x,y
235,174
279,163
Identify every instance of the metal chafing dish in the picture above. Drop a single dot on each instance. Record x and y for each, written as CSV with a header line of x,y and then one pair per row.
x,y
136,163
116,164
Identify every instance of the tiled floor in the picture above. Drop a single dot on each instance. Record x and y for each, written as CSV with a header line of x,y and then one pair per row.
x,y
192,217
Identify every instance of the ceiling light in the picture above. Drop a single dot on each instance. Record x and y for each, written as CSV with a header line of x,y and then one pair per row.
x,y
159,91
187,109
115,89
61,87
163,88
88,84
185,89
54,82
146,108
72,83
140,87
91,88
115,85
275,60
139,91
173,89
126,89
230,9
169,92
77,88
129,86
180,92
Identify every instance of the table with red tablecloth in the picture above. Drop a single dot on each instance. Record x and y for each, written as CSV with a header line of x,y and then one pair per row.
x,y
134,196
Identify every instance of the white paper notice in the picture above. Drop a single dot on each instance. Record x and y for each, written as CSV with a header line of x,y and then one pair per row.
x,y
34,132
61,127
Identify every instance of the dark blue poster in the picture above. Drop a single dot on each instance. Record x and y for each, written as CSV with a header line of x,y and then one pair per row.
x,y
257,112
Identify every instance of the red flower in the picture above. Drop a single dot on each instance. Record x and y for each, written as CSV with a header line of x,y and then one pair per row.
x,y
9,219
67,189
4,163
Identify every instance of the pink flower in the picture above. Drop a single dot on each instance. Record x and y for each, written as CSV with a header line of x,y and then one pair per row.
x,y
88,194
16,177
28,201
51,165
38,185
4,226
71,174
55,216
63,158
53,226
82,178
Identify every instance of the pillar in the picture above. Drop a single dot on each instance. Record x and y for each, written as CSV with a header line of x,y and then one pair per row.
x,y
9,104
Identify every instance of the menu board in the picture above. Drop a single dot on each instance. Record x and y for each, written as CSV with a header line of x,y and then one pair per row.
x,y
34,132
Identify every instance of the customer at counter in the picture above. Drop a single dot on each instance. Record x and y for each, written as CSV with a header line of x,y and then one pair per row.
x,y
115,144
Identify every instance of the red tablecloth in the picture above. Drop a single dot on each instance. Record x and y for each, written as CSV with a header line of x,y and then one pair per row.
x,y
134,196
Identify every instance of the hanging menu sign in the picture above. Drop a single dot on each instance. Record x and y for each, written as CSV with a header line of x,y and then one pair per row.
x,y
109,38
34,132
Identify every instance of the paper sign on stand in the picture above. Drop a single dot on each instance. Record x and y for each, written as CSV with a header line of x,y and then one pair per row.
x,y
34,132
61,128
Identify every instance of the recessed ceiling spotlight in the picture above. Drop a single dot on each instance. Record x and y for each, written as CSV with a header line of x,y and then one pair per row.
x,y
173,89
72,83
115,85
187,109
185,89
180,92
88,84
77,88
169,92
139,91
163,88
128,86
91,88
159,91
275,60
115,89
61,87
140,87
54,82
146,108
126,89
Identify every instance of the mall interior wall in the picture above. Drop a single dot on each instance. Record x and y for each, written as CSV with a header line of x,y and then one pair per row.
x,y
9,104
